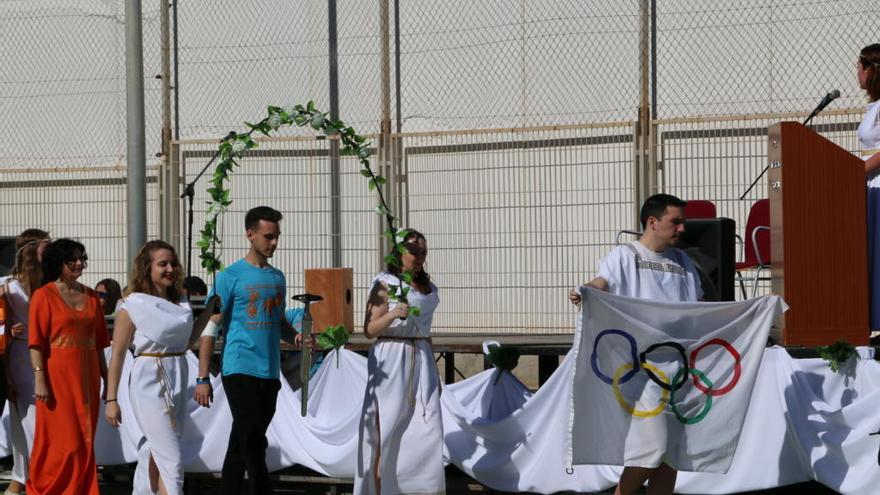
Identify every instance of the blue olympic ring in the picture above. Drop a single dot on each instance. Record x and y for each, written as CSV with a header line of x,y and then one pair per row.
x,y
594,358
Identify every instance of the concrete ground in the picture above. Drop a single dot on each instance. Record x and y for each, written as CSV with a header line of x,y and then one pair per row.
x,y
117,481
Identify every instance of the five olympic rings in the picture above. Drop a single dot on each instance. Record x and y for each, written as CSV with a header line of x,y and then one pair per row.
x,y
667,397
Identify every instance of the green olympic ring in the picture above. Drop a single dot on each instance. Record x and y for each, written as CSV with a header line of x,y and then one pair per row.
x,y
708,405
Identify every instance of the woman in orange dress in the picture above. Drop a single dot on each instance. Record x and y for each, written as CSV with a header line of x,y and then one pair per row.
x,y
67,336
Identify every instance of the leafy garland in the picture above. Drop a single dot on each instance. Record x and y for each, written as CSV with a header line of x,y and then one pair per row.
x,y
235,145
837,354
502,358
332,338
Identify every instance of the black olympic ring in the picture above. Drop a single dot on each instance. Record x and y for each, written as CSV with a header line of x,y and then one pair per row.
x,y
685,375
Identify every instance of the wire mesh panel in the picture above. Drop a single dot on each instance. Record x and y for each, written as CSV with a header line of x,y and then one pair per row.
x,y
758,56
498,63
85,204
62,87
515,218
291,175
235,58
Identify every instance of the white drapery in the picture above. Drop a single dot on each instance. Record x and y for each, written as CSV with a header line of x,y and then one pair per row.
x,y
804,422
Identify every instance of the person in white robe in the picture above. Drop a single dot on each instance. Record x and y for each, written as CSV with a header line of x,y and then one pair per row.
x,y
869,137
156,317
401,433
650,268
17,289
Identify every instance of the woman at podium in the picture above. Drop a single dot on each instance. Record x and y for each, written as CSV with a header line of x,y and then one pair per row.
x,y
869,137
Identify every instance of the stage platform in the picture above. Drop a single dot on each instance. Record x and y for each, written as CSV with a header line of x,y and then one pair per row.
x,y
548,348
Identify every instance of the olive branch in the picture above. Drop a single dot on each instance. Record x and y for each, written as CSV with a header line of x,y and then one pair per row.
x,y
235,145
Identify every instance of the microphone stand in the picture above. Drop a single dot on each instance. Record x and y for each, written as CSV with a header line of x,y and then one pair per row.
x,y
189,192
766,167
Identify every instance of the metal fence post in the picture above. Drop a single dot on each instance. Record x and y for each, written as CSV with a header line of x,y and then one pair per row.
x,y
136,194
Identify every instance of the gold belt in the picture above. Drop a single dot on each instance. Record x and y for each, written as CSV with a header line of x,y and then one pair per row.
x,y
161,354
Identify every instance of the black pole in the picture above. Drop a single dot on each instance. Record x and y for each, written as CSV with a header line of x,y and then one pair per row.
x,y
755,181
189,192
335,188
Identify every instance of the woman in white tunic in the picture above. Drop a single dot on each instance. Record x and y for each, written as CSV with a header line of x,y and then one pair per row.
x,y
25,278
155,313
401,433
869,136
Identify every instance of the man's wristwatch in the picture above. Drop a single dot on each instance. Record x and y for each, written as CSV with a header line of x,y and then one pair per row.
x,y
203,380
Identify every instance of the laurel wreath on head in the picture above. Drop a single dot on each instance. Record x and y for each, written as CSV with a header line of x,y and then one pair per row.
x,y
234,147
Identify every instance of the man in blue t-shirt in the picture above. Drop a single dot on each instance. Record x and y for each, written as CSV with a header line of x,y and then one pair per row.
x,y
252,301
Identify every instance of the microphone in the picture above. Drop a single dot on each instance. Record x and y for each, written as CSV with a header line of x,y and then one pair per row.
x,y
822,104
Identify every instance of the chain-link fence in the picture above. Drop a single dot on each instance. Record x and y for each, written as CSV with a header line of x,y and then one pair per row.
x,y
525,132
758,57
87,204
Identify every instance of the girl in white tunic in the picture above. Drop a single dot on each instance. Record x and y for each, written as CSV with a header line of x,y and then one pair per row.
x,y
401,433
869,136
157,315
17,289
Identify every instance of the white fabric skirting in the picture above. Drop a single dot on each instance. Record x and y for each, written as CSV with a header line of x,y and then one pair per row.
x,y
804,423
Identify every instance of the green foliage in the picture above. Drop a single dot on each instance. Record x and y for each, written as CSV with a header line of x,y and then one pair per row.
x,y
837,354
503,358
332,338
236,145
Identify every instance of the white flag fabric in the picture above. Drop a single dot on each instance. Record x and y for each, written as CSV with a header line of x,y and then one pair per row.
x,y
664,382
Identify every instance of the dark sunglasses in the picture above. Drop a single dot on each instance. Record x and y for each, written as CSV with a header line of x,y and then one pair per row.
x,y
72,263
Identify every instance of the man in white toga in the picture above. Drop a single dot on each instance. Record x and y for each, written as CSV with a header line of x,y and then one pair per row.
x,y
650,268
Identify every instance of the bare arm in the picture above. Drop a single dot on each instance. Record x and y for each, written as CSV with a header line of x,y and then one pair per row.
x,y
873,163
598,283
41,384
204,393
378,316
123,330
203,319
288,333
102,367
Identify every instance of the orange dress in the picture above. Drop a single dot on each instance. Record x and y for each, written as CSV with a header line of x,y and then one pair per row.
x,y
63,456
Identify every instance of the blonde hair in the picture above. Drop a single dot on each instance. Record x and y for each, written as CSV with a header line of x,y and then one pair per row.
x,y
140,279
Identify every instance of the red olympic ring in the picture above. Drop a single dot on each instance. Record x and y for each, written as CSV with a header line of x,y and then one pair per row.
x,y
737,368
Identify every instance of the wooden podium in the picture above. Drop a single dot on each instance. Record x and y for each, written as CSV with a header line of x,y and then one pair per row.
x,y
334,285
818,237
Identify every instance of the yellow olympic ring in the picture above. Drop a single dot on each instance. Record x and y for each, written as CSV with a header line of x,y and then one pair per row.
x,y
664,395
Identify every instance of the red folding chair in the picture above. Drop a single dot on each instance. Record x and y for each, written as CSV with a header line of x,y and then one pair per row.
x,y
756,252
699,209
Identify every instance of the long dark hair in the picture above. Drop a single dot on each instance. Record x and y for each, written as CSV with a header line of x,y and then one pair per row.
x,y
58,253
114,294
870,60
421,280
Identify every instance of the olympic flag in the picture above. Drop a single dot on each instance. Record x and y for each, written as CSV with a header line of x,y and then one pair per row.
x,y
664,382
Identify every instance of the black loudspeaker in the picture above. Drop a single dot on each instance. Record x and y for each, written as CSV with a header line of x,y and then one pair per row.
x,y
7,255
711,244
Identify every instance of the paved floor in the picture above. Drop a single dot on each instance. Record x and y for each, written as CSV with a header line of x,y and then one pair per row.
x,y
117,481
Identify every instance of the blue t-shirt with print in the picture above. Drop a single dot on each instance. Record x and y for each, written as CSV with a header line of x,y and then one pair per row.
x,y
252,301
